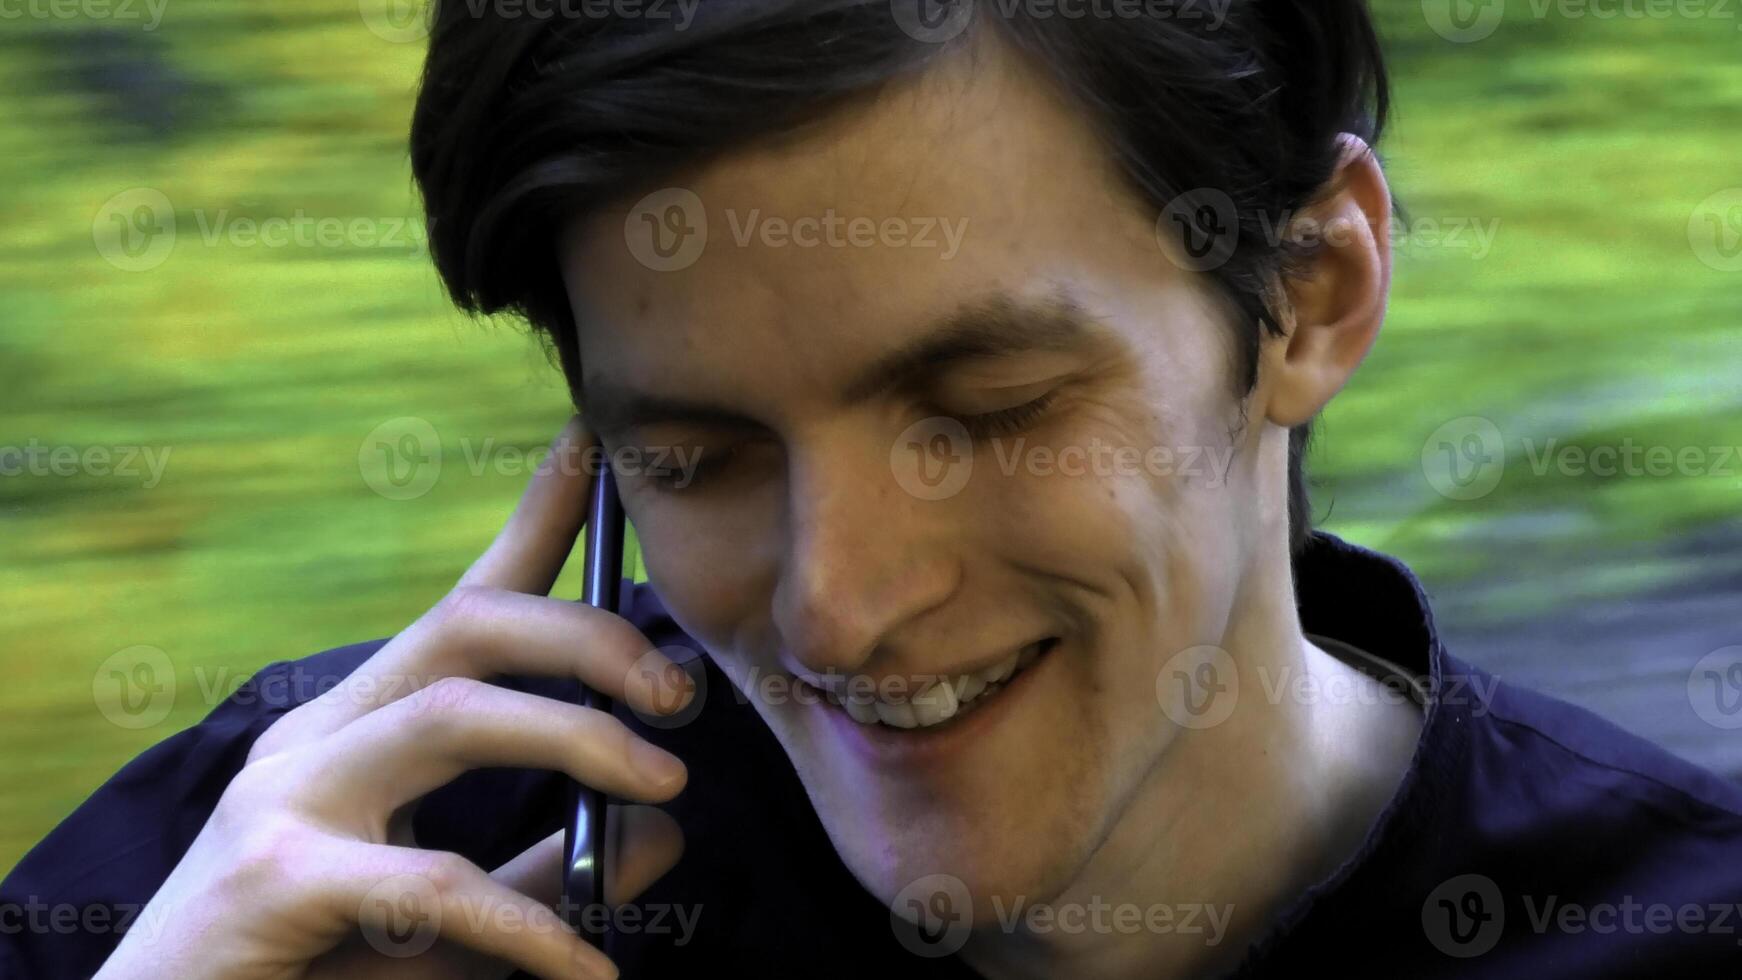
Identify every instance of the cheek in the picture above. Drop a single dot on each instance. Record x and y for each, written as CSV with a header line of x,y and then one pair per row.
x,y
702,568
1146,524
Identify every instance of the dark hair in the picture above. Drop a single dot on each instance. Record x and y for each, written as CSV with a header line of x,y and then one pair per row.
x,y
523,122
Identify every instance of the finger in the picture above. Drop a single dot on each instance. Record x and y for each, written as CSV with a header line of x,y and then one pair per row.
x,y
528,553
646,842
359,957
537,871
389,757
490,634
651,843
405,899
480,634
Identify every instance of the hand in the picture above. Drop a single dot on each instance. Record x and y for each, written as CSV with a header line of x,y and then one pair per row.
x,y
298,870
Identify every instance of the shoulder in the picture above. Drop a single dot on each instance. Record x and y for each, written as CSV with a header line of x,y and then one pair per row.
x,y
1579,843
1531,838
1567,760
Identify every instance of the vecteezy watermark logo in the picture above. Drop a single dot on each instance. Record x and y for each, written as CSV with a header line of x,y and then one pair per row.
x,y
395,21
405,21
36,917
1204,464
1199,230
1101,917
1549,913
667,230
670,671
134,231
1715,688
104,462
933,915
1715,230
401,459
135,687
623,919
114,11
1471,691
1463,21
1464,234
1464,458
833,230
401,916
1198,687
933,458
932,21
1464,916
1467,21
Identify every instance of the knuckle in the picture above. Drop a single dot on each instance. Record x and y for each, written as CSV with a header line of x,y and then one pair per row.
x,y
598,740
272,741
259,783
617,634
615,737
264,746
461,610
450,873
608,639
271,852
438,703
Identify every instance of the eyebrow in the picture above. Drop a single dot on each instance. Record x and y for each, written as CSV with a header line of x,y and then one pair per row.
x,y
995,325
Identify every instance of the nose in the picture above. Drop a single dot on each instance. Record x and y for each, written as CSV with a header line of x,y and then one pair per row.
x,y
863,557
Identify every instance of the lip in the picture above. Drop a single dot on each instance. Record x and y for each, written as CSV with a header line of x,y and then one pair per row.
x,y
884,746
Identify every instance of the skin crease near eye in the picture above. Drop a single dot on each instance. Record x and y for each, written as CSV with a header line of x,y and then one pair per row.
x,y
800,550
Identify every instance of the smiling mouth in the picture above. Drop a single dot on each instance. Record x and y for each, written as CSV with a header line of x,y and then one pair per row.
x,y
942,701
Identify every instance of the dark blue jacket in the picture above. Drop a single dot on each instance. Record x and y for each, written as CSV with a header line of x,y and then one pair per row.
x,y
1528,839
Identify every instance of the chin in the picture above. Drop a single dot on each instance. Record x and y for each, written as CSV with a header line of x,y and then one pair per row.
x,y
984,867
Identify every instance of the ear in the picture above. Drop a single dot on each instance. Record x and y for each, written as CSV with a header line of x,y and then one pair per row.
x,y
1332,313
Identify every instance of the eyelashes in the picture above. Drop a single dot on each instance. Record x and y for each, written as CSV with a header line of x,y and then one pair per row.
x,y
707,463
712,464
1006,421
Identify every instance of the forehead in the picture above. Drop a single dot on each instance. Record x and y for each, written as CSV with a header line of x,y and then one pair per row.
x,y
825,251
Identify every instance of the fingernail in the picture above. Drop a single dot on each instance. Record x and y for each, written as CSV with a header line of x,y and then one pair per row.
x,y
669,687
594,965
661,766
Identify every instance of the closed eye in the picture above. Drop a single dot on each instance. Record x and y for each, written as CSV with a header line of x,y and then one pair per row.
x,y
711,462
1006,421
702,465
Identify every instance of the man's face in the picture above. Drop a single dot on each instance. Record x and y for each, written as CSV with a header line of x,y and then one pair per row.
x,y
825,536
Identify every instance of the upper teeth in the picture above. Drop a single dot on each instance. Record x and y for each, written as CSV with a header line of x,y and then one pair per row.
x,y
936,703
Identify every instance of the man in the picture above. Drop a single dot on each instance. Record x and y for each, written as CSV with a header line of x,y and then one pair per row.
x,y
986,344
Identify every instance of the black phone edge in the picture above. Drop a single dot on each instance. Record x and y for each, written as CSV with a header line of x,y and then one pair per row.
x,y
583,886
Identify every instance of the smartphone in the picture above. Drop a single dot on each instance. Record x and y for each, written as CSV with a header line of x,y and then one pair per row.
x,y
584,835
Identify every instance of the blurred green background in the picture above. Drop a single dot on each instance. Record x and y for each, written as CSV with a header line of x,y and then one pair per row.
x,y
268,381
